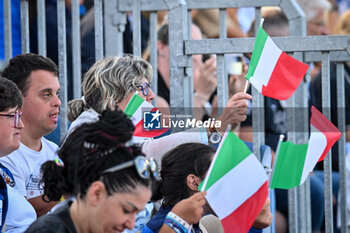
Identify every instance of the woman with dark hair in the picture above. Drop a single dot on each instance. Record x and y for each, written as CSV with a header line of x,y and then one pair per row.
x,y
182,171
108,179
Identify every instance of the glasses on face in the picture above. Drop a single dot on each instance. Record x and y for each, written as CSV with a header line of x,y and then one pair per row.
x,y
144,88
17,117
145,167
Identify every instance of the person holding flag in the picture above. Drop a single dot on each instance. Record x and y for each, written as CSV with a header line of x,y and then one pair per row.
x,y
184,168
112,82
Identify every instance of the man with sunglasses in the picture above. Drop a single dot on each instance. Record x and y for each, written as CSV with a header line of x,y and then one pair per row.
x,y
36,77
14,208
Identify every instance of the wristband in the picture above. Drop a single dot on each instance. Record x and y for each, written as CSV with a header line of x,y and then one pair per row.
x,y
174,225
179,220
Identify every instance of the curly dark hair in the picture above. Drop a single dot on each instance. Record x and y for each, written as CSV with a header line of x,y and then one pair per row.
x,y
87,152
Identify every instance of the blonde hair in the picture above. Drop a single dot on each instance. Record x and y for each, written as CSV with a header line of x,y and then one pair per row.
x,y
108,82
342,27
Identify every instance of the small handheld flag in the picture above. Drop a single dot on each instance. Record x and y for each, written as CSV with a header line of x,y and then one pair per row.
x,y
273,72
295,162
236,185
134,110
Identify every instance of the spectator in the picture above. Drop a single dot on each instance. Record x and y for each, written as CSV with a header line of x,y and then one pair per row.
x,y
36,77
114,80
315,12
109,180
16,212
182,170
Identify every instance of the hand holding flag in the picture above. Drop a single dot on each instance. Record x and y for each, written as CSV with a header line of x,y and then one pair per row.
x,y
236,185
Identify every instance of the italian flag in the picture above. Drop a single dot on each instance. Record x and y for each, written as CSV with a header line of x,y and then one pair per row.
x,y
134,110
294,162
273,72
236,185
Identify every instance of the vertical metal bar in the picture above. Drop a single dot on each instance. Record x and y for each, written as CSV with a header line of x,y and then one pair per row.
x,y
292,193
153,54
326,104
292,210
40,6
258,107
7,30
98,29
76,52
114,26
299,136
62,64
307,207
188,79
136,27
24,26
222,82
177,34
341,143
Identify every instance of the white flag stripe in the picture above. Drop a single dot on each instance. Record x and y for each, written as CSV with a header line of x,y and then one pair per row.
x,y
266,64
236,186
317,144
138,115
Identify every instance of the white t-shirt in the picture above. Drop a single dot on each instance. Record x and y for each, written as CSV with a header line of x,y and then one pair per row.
x,y
25,163
18,221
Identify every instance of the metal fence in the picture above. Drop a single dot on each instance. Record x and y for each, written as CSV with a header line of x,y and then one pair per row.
x,y
110,18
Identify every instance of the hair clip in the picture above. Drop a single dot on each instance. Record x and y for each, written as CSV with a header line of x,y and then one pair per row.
x,y
89,145
59,162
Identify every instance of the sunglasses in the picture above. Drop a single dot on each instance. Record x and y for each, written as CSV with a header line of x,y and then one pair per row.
x,y
145,167
17,117
144,88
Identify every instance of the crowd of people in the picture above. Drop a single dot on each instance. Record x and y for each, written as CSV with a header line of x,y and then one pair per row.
x,y
101,178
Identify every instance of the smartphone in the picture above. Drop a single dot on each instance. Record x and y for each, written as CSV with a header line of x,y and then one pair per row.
x,y
235,66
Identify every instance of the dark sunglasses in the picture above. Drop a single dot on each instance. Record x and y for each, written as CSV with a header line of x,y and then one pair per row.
x,y
144,88
145,167
17,117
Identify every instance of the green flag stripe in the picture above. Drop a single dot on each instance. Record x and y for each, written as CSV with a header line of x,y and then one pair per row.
x,y
257,51
232,152
289,165
133,105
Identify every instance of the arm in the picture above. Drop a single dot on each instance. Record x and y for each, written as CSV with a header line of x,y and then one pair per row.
x,y
190,210
41,207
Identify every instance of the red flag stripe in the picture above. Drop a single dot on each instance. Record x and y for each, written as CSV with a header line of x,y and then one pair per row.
x,y
320,122
285,78
242,219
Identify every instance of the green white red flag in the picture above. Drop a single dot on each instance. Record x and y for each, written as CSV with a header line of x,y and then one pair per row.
x,y
294,163
273,72
236,185
135,111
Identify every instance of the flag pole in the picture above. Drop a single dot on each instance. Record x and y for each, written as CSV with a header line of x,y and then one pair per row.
x,y
246,86
276,156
